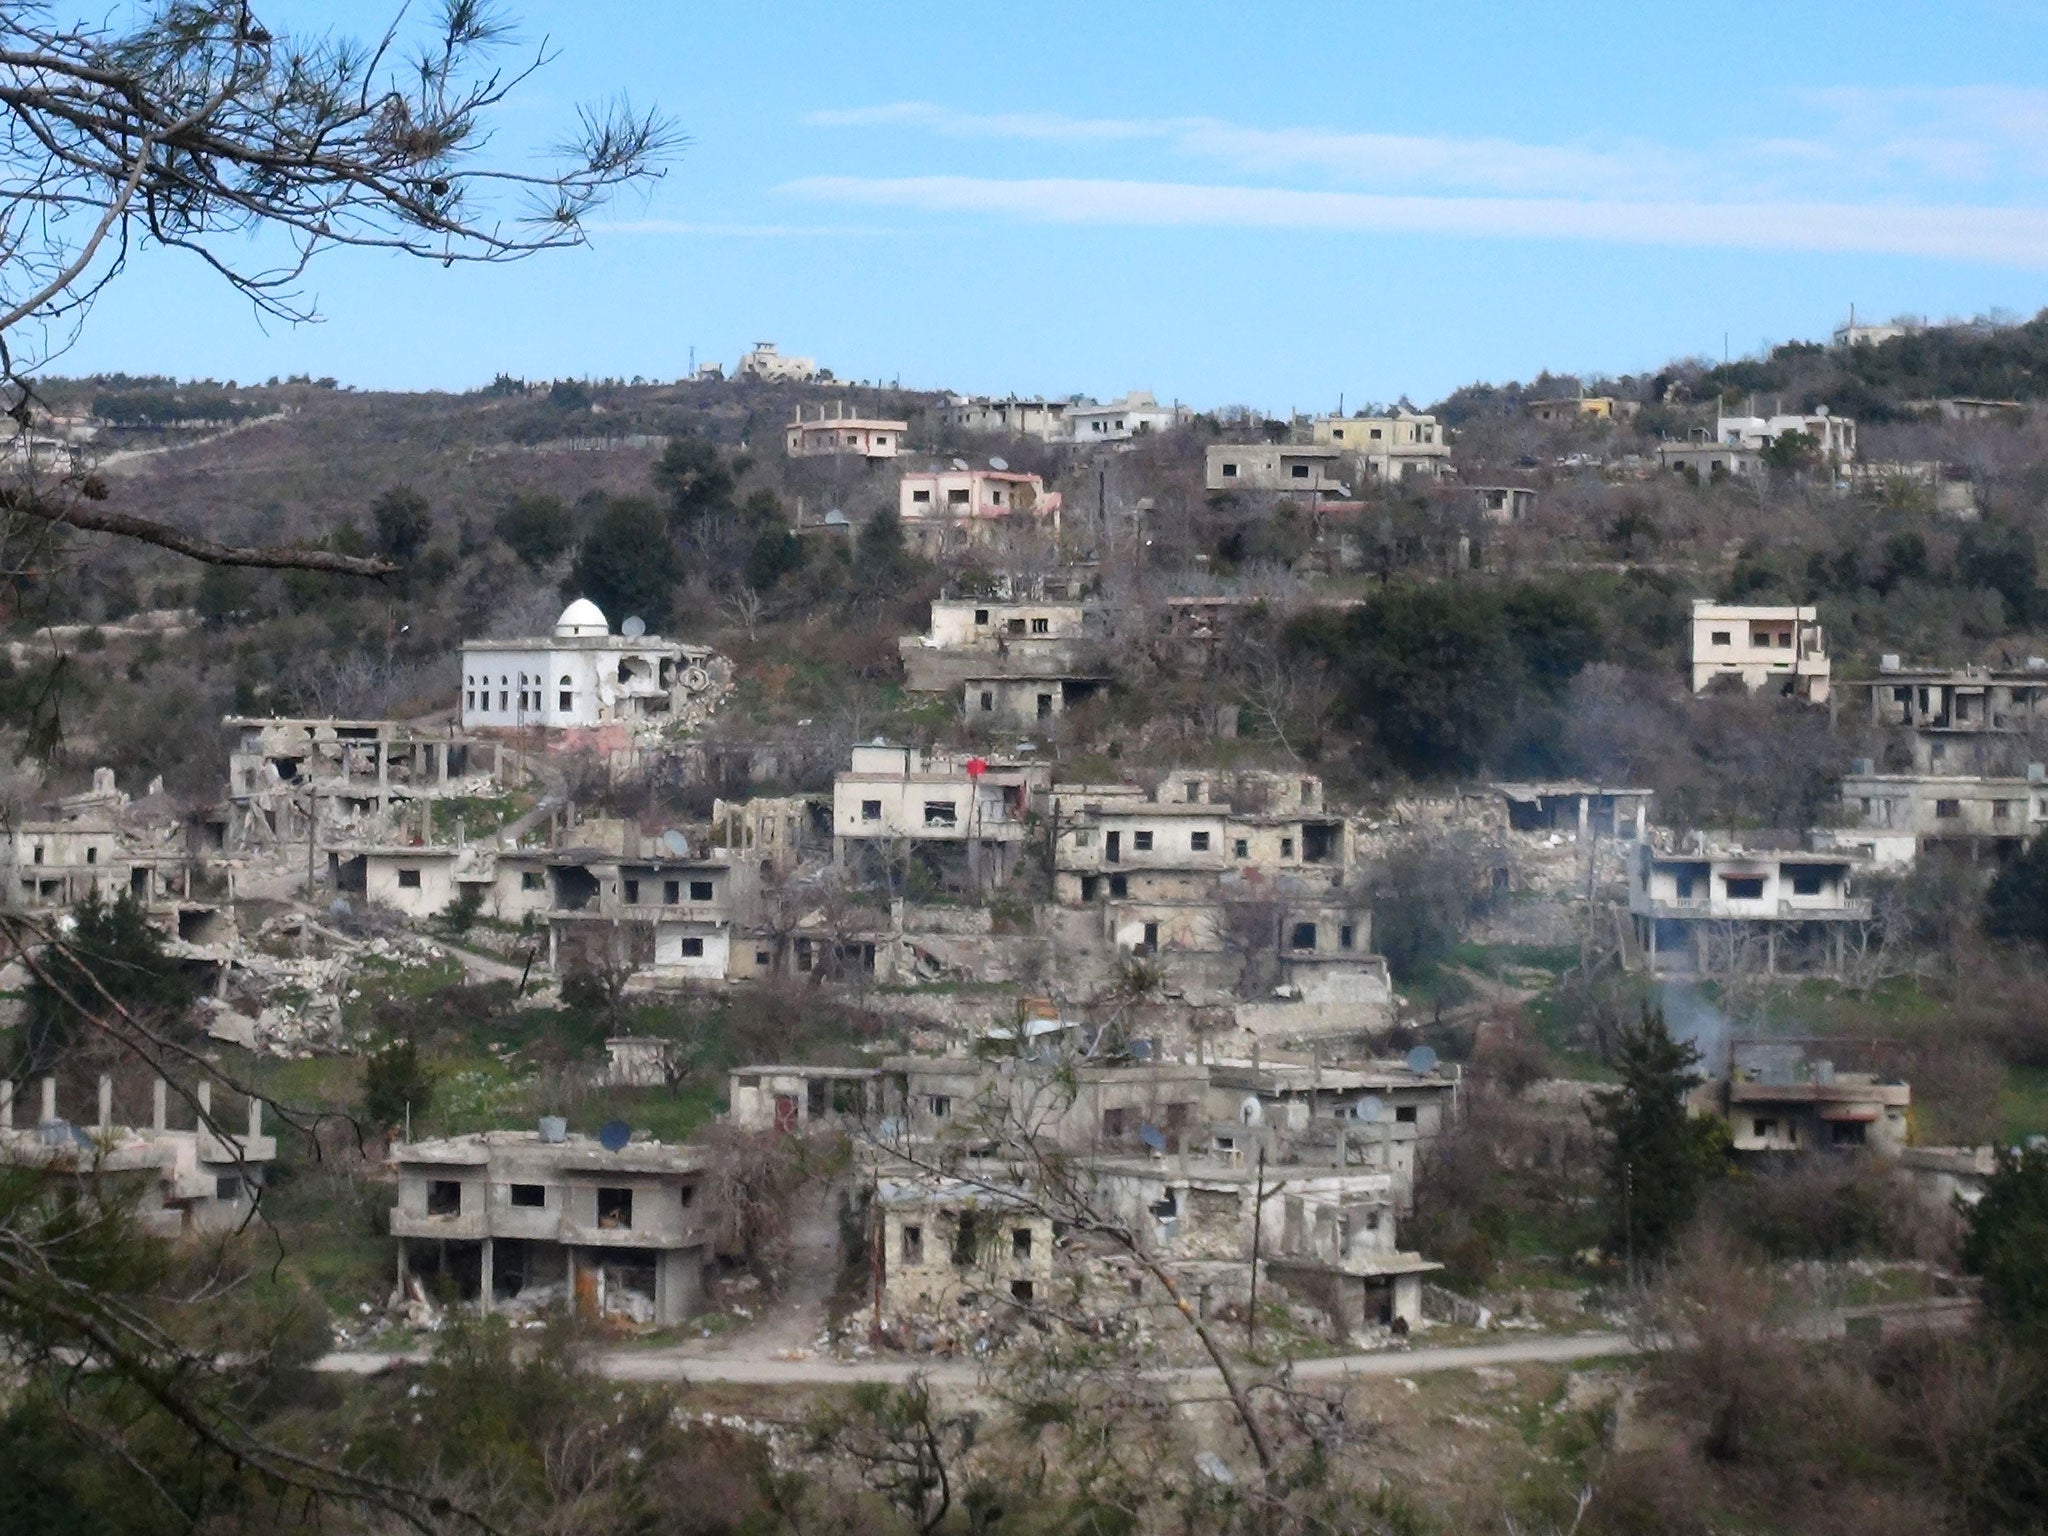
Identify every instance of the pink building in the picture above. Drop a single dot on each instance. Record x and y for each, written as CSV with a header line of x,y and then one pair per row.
x,y
946,509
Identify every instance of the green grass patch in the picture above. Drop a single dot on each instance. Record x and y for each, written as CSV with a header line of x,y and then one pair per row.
x,y
2024,1103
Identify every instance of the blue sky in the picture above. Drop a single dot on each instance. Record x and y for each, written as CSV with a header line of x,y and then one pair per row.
x,y
1272,205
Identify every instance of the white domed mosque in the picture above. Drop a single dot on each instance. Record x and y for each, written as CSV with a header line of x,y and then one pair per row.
x,y
581,675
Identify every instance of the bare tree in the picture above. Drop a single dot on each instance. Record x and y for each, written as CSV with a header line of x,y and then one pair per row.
x,y
195,127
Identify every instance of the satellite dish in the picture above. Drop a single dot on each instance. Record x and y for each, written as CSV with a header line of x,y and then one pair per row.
x,y
1251,1111
959,463
998,463
615,1135
1371,1109
1150,1135
676,843
1422,1060
835,519
634,627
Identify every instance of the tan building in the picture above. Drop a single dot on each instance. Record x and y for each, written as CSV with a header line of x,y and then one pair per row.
x,y
1504,504
1311,469
1006,416
1566,410
832,433
1388,448
1711,461
1776,647
530,1218
1778,1105
943,1242
947,511
1011,664
964,816
771,366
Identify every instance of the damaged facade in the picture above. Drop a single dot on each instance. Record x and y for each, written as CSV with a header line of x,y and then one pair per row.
x,y
521,1220
202,1179
1712,906
1010,664
581,676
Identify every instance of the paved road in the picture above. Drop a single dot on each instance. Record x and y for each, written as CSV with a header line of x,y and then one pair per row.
x,y
676,1365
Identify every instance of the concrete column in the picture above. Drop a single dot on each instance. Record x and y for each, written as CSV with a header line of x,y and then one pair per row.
x,y
401,1272
49,1099
255,1118
6,1103
106,1104
159,1105
205,1097
1771,950
483,1295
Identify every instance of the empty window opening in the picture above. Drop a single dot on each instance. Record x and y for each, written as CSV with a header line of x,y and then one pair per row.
x,y
1198,842
692,949
1806,882
1142,841
1744,887
966,1238
1303,936
911,1246
871,810
530,1196
1020,1243
941,813
1020,1290
671,892
700,890
444,1197
408,879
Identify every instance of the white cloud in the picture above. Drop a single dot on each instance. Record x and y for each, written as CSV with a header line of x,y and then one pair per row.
x,y
2003,236
1375,159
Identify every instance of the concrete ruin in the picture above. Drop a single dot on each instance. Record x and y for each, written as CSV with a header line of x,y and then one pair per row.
x,y
522,1220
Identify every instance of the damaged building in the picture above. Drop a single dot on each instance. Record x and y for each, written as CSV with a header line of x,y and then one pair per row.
x,y
1010,663
1957,720
204,1178
583,676
962,820
1248,871
521,1220
102,844
291,779
1707,905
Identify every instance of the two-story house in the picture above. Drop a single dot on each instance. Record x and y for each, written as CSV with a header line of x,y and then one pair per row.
x,y
964,819
1764,646
532,1217
1708,906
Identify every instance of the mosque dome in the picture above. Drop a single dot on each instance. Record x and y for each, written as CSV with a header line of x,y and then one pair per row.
x,y
581,618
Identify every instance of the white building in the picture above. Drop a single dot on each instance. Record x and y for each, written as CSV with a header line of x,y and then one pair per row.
x,y
1120,420
1781,647
765,363
581,675
1707,908
1835,436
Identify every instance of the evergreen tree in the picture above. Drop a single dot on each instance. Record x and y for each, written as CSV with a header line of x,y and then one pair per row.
x,y
627,563
536,527
2016,906
404,523
2007,1243
112,947
1658,1157
397,1085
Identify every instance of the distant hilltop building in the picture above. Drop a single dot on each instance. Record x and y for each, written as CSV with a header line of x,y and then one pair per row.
x,y
1572,408
767,364
1850,334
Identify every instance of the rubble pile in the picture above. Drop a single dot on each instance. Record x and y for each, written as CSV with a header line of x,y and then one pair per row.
x,y
293,1004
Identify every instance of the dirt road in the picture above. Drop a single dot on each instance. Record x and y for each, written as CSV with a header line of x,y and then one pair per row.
x,y
680,1365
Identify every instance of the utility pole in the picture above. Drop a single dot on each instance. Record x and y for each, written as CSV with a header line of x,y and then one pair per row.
x,y
1251,1316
